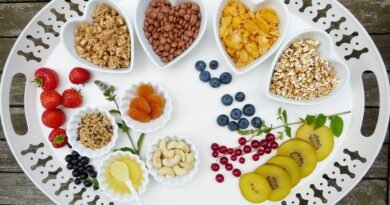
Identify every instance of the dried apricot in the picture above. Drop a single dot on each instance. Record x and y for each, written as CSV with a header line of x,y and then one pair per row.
x,y
156,98
141,104
145,90
138,115
157,111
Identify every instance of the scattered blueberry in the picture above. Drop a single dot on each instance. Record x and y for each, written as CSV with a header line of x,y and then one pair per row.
x,y
75,154
240,97
223,120
226,78
256,122
81,169
205,76
227,99
83,176
200,66
89,168
77,181
75,173
233,126
214,82
74,161
243,123
213,64
69,166
93,174
249,110
236,114
68,158
87,183
84,160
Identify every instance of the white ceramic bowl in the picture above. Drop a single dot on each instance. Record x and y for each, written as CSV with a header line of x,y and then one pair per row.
x,y
253,5
172,181
73,126
325,50
104,166
68,38
139,25
153,125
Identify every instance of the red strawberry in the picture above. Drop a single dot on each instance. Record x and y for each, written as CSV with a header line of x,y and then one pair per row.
x,y
55,132
71,98
58,138
79,75
53,118
50,99
46,78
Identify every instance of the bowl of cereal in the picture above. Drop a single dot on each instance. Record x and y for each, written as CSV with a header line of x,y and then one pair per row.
x,y
248,33
92,132
102,39
305,70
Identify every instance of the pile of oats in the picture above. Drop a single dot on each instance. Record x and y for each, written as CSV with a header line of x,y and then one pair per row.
x,y
95,131
301,73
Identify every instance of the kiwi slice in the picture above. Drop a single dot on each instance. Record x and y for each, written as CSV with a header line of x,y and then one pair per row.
x,y
302,152
278,179
254,187
322,139
289,165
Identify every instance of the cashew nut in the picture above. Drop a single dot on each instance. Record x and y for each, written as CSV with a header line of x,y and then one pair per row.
x,y
156,159
170,162
179,171
164,150
190,158
172,144
166,171
186,165
181,154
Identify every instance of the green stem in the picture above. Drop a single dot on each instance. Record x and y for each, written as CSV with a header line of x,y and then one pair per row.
x,y
136,149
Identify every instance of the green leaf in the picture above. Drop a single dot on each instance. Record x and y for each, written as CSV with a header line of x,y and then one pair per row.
x,y
113,111
279,111
287,129
111,98
310,119
125,149
284,116
140,141
123,127
319,121
302,120
337,125
95,183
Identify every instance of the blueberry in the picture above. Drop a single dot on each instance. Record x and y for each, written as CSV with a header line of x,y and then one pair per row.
x,y
243,123
84,160
240,96
223,120
82,169
69,166
75,173
215,82
249,110
70,146
75,167
83,176
87,183
233,126
200,66
68,158
93,174
205,76
236,114
77,181
226,78
80,164
75,154
213,64
227,99
89,168
256,122
74,161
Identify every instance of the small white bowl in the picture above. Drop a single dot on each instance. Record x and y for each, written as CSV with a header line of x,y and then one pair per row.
x,y
153,125
325,50
172,181
73,126
253,5
104,166
139,25
68,38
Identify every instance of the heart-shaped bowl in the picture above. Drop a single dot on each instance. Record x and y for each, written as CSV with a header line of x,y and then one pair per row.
x,y
139,25
253,6
326,51
68,36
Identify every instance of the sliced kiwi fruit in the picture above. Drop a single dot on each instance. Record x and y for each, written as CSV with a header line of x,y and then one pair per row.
x,y
321,139
254,187
302,152
289,165
278,179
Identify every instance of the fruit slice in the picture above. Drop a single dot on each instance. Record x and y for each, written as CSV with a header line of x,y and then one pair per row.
x,y
302,152
156,98
321,139
145,90
254,187
278,179
157,111
140,103
138,115
289,165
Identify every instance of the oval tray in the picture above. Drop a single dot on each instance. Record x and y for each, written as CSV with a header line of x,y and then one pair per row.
x,y
39,45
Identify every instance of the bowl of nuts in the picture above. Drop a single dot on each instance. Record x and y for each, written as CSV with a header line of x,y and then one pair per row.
x,y
305,70
169,29
102,39
248,33
172,160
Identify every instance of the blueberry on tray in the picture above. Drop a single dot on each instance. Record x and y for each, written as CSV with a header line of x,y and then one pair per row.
x,y
227,100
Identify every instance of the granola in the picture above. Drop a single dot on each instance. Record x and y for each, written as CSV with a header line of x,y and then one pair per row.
x,y
95,131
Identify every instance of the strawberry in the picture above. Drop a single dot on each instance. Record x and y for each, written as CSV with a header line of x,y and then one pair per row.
x,y
53,118
71,98
50,99
58,138
79,75
46,78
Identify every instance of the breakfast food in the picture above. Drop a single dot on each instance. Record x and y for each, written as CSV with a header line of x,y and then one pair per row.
x,y
46,78
173,158
254,187
58,138
302,74
105,42
71,98
95,131
79,75
147,106
278,179
246,35
289,165
82,170
53,118
169,29
50,99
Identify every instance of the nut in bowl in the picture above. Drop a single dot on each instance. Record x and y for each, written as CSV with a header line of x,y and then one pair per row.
x,y
172,160
169,29
248,33
145,107
297,79
102,39
92,132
